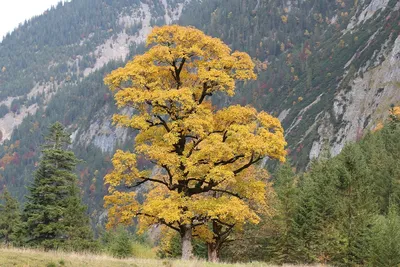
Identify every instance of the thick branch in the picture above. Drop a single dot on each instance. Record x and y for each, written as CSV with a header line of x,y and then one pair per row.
x,y
196,143
226,192
160,220
164,123
178,72
146,179
198,189
204,93
229,161
169,174
224,136
181,66
247,165
224,234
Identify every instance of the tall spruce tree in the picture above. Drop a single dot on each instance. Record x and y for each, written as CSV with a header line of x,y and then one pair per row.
x,y
54,216
314,220
10,219
283,246
358,204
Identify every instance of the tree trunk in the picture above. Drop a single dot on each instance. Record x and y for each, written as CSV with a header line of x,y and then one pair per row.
x,y
213,252
215,246
186,236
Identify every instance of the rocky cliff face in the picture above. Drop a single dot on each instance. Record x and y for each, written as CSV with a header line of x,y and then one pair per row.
x,y
370,90
101,133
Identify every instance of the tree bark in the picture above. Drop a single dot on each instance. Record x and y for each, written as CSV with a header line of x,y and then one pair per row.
x,y
213,252
186,236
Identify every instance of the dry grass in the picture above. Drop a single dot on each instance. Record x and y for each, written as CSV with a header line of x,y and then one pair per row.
x,y
36,258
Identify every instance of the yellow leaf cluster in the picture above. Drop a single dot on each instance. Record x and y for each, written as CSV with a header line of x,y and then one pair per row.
x,y
206,156
122,208
378,127
125,170
396,111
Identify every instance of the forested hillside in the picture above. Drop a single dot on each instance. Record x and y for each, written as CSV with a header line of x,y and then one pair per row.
x,y
343,211
320,64
328,69
52,70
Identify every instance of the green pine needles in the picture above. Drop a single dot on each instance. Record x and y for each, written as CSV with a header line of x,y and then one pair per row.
x,y
54,216
10,219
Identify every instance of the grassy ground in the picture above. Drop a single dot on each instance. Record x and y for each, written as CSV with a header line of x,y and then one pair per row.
x,y
34,258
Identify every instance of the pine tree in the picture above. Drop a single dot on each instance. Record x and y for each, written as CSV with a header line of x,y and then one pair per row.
x,y
79,235
121,244
314,226
358,204
10,218
386,239
284,245
53,215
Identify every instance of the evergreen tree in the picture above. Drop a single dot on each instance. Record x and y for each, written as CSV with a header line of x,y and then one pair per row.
x,y
9,218
120,243
386,240
283,245
79,235
314,226
358,204
53,215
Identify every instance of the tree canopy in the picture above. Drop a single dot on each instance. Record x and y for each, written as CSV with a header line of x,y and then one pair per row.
x,y
203,155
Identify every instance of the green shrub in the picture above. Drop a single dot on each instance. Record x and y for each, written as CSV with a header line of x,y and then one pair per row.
x,y
119,243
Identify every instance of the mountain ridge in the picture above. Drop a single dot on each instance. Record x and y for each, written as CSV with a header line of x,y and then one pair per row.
x,y
321,67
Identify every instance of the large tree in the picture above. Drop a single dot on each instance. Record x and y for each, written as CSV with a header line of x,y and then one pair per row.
x,y
200,151
48,216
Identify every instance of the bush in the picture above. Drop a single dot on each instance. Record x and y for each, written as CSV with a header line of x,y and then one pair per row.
x,y
119,243
122,246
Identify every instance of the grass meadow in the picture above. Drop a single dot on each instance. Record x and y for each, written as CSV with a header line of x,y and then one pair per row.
x,y
16,257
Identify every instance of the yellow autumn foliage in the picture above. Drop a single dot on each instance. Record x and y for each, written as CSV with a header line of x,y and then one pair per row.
x,y
205,156
396,112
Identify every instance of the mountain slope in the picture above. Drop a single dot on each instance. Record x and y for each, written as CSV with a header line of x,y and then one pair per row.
x,y
328,69
332,65
66,53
